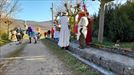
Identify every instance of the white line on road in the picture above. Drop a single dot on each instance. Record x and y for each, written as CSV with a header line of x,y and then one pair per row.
x,y
25,58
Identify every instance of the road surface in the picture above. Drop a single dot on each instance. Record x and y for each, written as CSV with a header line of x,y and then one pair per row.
x,y
36,59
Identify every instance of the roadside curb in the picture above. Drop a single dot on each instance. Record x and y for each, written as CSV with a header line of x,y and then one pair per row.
x,y
108,64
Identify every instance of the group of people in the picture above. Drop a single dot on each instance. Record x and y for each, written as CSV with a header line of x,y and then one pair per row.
x,y
82,28
53,33
18,33
61,31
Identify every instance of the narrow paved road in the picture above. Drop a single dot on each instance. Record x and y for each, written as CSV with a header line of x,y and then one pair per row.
x,y
36,59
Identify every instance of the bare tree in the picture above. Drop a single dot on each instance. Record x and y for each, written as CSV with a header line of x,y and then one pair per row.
x,y
70,7
7,9
72,12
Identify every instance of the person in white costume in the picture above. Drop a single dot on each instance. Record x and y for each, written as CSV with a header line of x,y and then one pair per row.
x,y
64,36
82,24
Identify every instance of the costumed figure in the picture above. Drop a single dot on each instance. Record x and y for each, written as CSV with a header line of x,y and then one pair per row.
x,y
31,34
82,42
82,23
89,30
64,36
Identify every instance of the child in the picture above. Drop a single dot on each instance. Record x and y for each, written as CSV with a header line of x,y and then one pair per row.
x,y
56,34
82,41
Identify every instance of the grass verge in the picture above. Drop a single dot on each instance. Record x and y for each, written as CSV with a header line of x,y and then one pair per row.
x,y
109,44
3,42
127,45
76,66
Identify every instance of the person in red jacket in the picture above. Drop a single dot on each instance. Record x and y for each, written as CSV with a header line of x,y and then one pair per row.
x,y
52,32
89,30
76,28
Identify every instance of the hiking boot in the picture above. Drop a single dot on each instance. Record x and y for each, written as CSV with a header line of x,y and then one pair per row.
x,y
35,42
67,48
62,47
30,42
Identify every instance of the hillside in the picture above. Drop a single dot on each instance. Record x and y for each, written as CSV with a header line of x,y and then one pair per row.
x,y
44,25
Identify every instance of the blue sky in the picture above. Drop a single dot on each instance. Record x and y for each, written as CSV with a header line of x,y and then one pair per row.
x,y
34,10
39,10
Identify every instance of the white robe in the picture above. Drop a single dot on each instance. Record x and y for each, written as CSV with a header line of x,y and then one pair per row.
x,y
56,33
64,32
82,24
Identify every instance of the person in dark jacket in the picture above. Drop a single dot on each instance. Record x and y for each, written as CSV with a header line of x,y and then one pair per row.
x,y
31,35
19,35
82,41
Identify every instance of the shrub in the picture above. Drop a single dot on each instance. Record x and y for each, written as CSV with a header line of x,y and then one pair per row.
x,y
4,36
119,22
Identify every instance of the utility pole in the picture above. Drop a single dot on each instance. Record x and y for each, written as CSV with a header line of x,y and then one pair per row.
x,y
67,2
70,2
76,1
25,25
52,13
101,19
101,22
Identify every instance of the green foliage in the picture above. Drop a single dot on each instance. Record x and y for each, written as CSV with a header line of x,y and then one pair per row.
x,y
96,25
119,22
109,44
3,42
4,39
4,36
128,45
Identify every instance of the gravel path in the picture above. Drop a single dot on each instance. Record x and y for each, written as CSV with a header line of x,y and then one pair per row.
x,y
8,48
36,59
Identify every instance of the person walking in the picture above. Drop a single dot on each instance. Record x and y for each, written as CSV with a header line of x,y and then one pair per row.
x,y
38,33
52,32
64,36
13,35
48,33
19,35
31,34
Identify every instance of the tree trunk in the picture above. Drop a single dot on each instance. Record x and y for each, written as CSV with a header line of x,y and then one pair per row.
x,y
8,32
101,22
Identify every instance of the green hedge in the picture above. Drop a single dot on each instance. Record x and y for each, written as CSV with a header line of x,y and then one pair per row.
x,y
119,22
